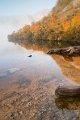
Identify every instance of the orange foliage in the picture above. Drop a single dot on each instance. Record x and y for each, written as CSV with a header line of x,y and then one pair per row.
x,y
51,22
75,20
66,25
35,27
54,23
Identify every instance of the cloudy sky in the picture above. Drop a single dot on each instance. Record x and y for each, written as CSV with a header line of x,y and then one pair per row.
x,y
24,7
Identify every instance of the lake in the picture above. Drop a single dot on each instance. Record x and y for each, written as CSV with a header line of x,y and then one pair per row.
x,y
28,79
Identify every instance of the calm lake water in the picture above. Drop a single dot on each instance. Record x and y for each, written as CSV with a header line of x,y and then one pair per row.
x,y
15,59
27,84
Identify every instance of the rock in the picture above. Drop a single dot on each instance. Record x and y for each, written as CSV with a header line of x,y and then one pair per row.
x,y
69,51
30,56
67,91
11,117
21,112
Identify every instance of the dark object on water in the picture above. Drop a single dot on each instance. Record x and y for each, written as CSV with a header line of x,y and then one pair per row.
x,y
69,51
30,56
67,91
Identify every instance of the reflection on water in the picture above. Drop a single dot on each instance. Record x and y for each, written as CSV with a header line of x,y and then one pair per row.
x,y
15,60
70,67
70,103
27,84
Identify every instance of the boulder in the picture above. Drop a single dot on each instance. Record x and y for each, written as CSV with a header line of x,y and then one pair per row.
x,y
67,91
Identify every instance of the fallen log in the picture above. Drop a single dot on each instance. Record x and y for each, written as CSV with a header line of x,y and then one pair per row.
x,y
68,51
67,91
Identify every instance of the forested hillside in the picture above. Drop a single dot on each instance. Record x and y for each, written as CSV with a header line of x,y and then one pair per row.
x,y
62,25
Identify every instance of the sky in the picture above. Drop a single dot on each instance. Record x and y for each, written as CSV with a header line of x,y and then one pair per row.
x,y
24,7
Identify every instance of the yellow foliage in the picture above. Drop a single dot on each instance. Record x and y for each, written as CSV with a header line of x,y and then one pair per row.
x,y
75,20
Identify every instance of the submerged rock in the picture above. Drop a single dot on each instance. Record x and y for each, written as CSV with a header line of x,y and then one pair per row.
x,y
12,70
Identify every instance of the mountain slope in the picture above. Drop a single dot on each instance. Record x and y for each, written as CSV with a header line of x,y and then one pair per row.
x,y
61,25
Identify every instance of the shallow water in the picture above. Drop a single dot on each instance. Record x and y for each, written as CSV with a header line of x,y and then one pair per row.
x,y
15,59
27,84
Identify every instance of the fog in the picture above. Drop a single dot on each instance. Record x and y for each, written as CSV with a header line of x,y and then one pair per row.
x,y
8,24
